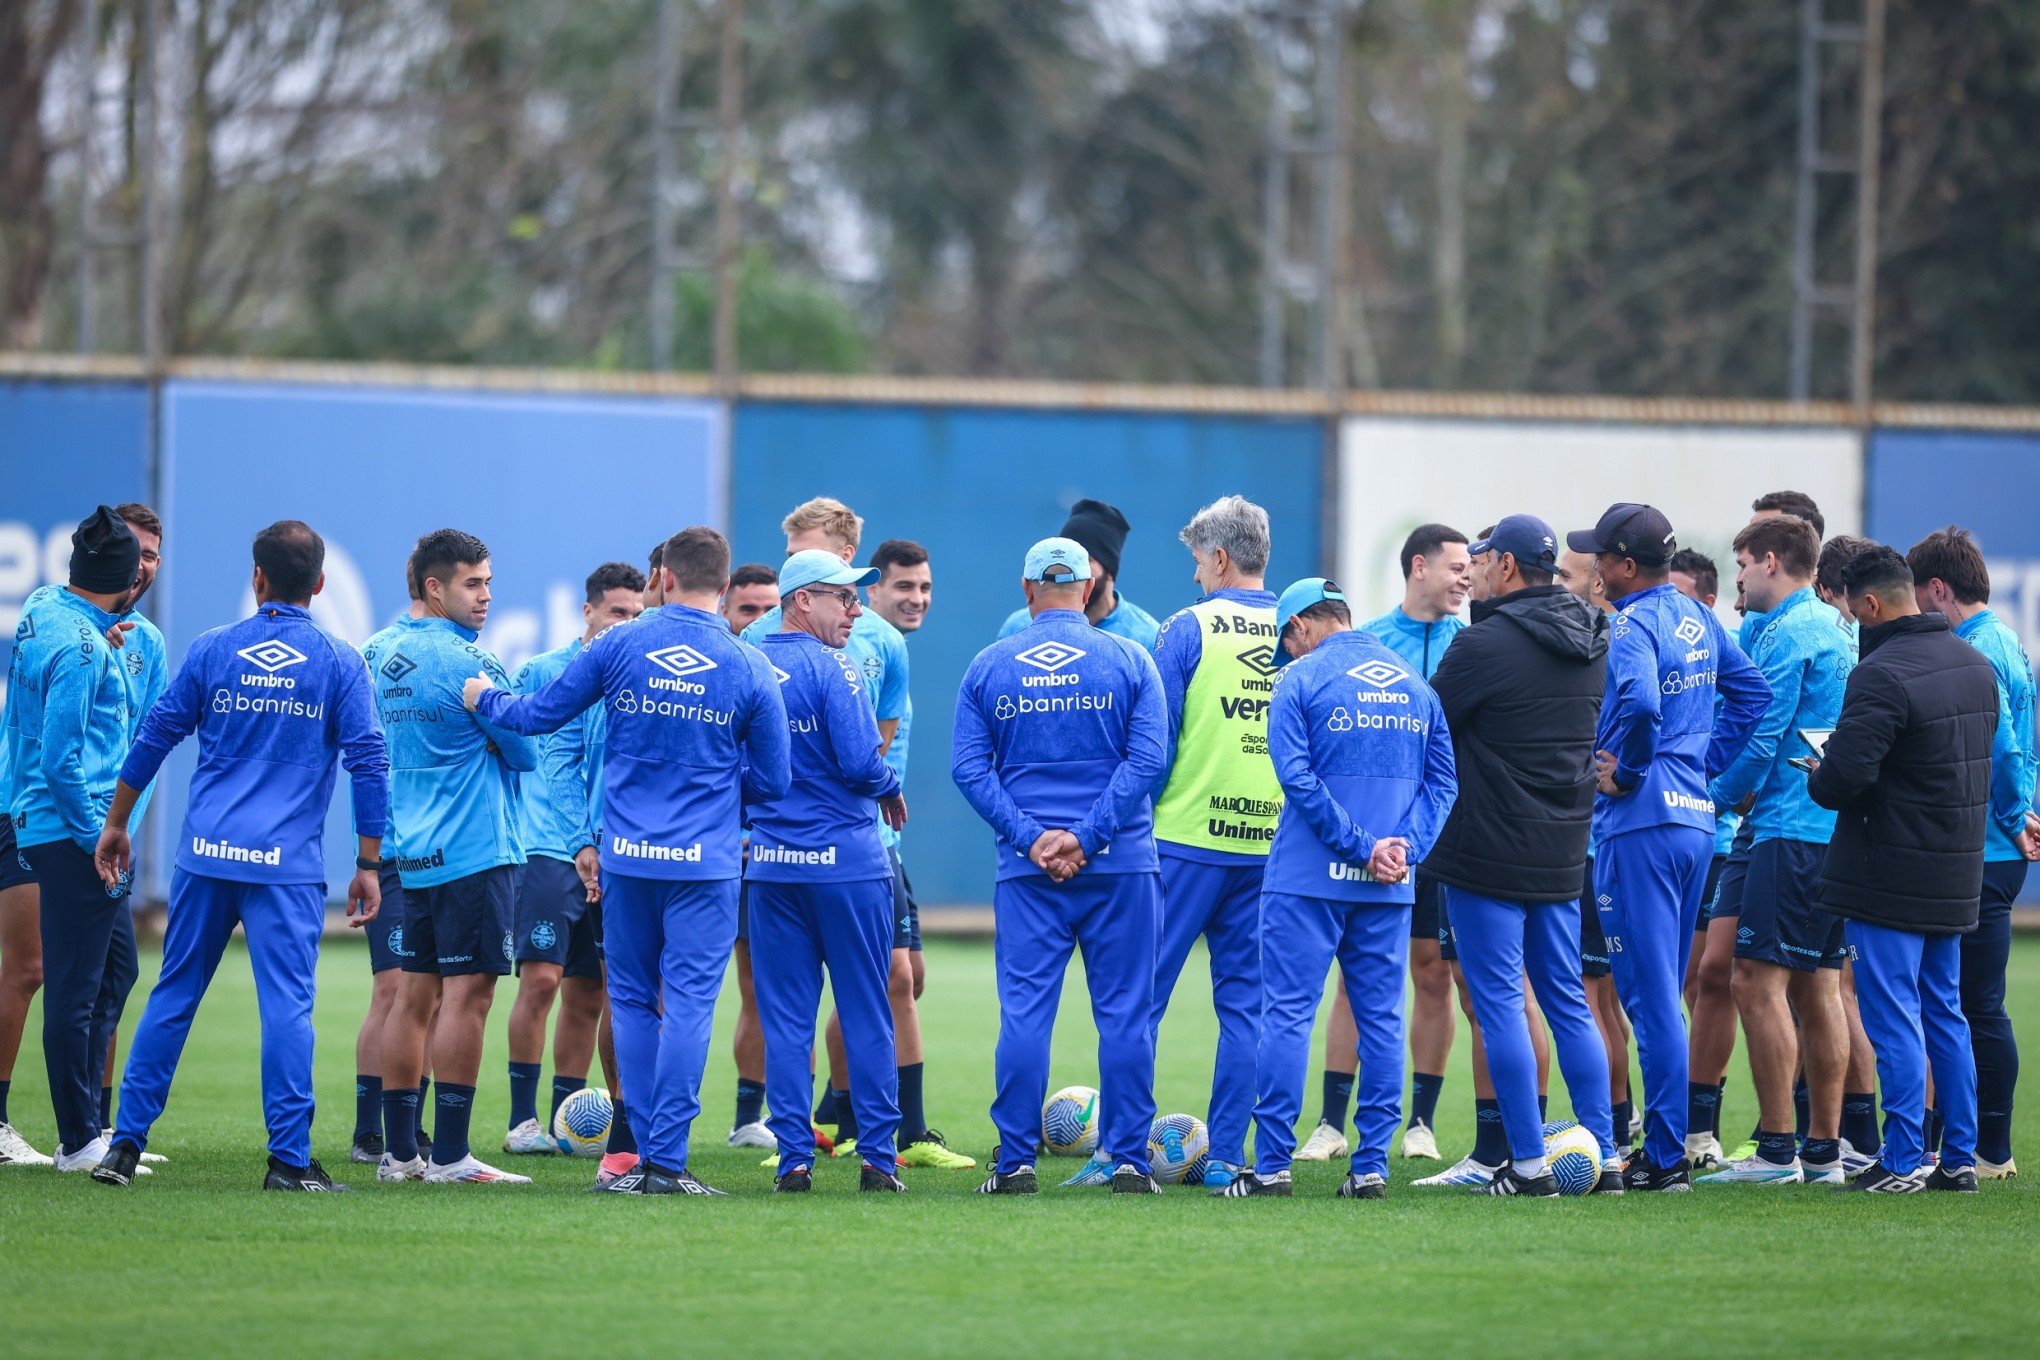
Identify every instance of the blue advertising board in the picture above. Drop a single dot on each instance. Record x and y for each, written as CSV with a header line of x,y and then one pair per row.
x,y
554,485
975,487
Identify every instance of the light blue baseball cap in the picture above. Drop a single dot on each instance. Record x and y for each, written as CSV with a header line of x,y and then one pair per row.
x,y
813,567
1293,601
1051,553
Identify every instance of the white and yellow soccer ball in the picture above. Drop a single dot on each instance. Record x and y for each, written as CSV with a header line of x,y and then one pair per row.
x,y
1177,1144
1069,1122
1574,1156
581,1125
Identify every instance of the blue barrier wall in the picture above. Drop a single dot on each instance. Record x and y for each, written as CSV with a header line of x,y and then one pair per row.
x,y
554,485
64,448
1922,480
976,487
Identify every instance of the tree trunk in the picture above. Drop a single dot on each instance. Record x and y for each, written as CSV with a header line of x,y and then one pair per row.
x,y
27,231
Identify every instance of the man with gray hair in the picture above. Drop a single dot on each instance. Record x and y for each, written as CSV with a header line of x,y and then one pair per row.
x,y
1215,815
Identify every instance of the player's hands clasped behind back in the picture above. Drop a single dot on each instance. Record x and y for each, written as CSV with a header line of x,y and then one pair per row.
x,y
1059,854
1390,862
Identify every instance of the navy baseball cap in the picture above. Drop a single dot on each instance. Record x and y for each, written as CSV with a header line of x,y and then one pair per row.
x,y
1528,538
1299,597
1628,530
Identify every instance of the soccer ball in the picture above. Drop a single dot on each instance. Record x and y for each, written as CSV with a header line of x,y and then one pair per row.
x,y
1574,1156
581,1125
1177,1144
1069,1122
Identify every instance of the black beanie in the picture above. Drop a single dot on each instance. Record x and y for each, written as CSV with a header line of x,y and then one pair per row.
x,y
105,554
1100,528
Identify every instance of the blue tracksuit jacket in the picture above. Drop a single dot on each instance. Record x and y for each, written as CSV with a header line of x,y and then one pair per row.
x,y
1361,747
1806,661
452,797
2014,763
1421,644
1062,726
695,726
69,720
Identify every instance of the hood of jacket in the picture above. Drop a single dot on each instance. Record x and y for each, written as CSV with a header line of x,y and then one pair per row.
x,y
1556,620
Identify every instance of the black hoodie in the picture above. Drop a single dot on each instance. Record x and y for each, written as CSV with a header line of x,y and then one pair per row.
x,y
1522,692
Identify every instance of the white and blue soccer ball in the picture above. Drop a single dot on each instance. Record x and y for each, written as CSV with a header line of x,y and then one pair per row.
x,y
1574,1156
1069,1122
581,1125
1177,1147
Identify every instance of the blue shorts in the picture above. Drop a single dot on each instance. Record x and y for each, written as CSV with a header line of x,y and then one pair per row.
x,y
1594,960
14,871
744,913
1427,917
906,911
462,927
1727,897
386,932
1781,924
556,923
1715,867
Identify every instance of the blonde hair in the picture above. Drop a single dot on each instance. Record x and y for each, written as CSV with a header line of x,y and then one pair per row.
x,y
829,516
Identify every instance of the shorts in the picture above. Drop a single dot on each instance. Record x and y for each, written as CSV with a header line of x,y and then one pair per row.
x,y
1594,960
556,923
462,927
1727,899
386,932
14,871
1427,917
744,913
1707,892
1780,922
906,911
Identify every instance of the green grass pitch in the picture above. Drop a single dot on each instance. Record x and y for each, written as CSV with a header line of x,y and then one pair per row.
x,y
196,1261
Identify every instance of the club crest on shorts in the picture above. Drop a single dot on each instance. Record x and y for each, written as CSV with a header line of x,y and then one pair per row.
x,y
543,936
509,944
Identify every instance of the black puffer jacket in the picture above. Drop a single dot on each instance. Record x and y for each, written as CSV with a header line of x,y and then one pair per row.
x,y
1522,692
1908,774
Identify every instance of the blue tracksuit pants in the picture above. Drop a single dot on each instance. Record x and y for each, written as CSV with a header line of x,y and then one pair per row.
x,y
1910,992
666,945
282,922
1652,879
1300,937
797,929
1498,942
1221,902
88,944
1113,919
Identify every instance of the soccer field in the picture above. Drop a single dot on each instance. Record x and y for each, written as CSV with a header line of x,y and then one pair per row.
x,y
196,1261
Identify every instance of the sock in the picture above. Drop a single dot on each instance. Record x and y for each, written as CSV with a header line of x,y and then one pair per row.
x,y
1779,1148
825,1109
1720,1087
1490,1140
523,1092
846,1117
1424,1089
400,1123
620,1137
750,1102
1543,1108
1624,1111
367,1107
1932,1139
450,1112
1859,1120
1822,1150
1802,1101
106,1107
1530,1168
1339,1096
3,1100
1703,1099
913,1115
424,1104
562,1088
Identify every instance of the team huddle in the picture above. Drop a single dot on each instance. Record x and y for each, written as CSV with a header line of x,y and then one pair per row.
x,y
1590,811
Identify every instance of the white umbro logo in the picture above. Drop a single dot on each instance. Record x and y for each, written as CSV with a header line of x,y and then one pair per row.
x,y
1049,656
271,656
1376,673
680,661
782,675
1689,631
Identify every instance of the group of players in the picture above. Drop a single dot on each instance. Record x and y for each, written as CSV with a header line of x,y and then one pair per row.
x,y
623,814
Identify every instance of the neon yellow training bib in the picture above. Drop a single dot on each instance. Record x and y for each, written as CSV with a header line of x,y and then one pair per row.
x,y
1222,793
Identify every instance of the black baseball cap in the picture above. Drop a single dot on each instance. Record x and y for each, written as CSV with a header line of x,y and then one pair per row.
x,y
1525,537
1628,530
